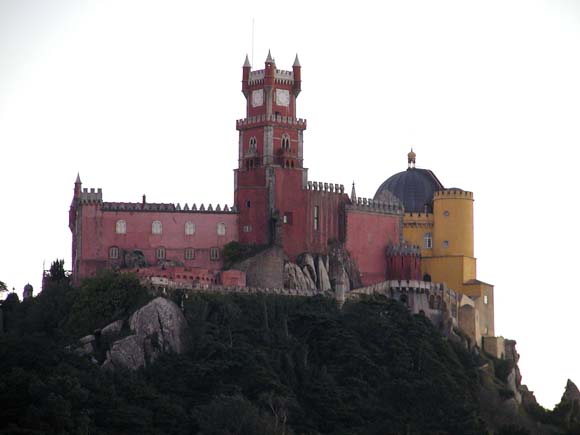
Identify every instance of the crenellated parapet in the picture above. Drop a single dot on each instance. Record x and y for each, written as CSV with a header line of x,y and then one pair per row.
x,y
452,193
259,120
280,76
319,186
367,204
167,207
91,196
403,250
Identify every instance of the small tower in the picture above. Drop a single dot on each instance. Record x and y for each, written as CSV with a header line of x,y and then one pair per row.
x,y
353,193
411,159
27,292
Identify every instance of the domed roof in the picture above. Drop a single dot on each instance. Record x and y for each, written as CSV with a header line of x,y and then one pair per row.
x,y
414,188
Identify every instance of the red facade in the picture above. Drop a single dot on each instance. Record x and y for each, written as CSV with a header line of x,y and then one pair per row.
x,y
274,204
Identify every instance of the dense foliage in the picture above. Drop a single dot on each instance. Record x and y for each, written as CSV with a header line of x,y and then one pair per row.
x,y
256,365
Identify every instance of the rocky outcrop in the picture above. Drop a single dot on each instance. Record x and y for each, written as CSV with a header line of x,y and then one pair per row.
x,y
296,278
265,269
306,263
158,327
323,279
571,392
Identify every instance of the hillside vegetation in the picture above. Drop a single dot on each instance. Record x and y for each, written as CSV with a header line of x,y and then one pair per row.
x,y
258,364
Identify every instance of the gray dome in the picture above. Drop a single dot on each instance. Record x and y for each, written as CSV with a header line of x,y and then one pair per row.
x,y
414,188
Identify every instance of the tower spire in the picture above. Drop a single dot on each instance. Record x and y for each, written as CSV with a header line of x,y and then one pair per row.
x,y
353,193
269,58
296,61
411,159
247,62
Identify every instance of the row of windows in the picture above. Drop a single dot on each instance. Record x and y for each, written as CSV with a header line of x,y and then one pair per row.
x,y
188,254
284,143
157,228
428,241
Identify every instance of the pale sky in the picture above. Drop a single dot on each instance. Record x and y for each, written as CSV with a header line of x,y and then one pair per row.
x,y
141,97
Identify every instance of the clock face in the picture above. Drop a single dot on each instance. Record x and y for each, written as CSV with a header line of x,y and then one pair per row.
x,y
257,97
282,97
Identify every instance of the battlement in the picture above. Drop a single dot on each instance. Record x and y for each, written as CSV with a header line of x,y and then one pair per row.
x,y
397,250
280,76
256,121
91,195
453,193
167,207
319,186
367,204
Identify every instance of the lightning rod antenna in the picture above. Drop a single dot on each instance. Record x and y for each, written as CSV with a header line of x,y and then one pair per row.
x,y
252,40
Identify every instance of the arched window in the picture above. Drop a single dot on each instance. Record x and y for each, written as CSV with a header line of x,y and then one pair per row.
x,y
156,227
253,145
427,241
221,229
113,252
189,228
160,253
121,227
189,253
285,142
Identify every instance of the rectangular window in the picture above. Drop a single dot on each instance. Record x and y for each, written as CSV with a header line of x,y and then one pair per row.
x,y
446,243
247,228
485,301
316,218
214,254
189,253
113,252
288,218
160,253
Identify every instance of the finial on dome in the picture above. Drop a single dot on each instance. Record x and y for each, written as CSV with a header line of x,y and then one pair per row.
x,y
296,61
247,62
411,158
269,58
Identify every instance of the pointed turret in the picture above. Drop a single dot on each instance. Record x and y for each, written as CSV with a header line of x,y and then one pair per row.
x,y
353,193
246,76
247,63
270,59
297,76
78,185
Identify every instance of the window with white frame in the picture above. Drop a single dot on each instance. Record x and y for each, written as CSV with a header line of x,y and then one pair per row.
x,y
446,243
189,228
485,300
247,228
285,142
214,254
113,252
156,227
189,253
121,227
160,253
221,229
427,241
253,144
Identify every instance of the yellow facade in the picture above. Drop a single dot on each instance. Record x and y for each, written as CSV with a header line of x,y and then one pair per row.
x,y
446,238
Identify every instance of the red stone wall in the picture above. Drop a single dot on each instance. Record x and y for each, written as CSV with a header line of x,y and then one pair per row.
x,y
367,236
403,267
99,234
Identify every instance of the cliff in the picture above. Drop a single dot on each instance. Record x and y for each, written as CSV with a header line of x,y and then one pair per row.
x,y
248,364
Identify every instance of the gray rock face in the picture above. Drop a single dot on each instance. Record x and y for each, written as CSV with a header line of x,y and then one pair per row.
x,y
306,262
158,327
511,382
323,279
112,330
571,392
126,353
296,278
162,322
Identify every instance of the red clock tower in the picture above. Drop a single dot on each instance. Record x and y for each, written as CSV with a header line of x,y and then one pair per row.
x,y
270,178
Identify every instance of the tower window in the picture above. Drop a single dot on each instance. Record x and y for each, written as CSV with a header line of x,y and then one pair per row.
x,y
316,217
287,218
121,227
428,241
247,228
285,142
189,228
214,254
156,227
446,213
248,204
189,253
160,253
485,300
221,229
253,144
113,252
446,243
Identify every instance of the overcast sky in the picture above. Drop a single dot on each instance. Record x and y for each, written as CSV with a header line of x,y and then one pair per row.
x,y
141,97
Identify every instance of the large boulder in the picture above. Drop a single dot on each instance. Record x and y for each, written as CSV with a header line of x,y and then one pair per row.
x,y
306,262
158,327
296,278
323,279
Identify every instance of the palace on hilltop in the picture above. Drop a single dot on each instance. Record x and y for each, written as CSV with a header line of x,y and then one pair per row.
x,y
413,231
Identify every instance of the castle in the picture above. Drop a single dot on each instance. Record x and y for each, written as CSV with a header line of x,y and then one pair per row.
x,y
413,232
